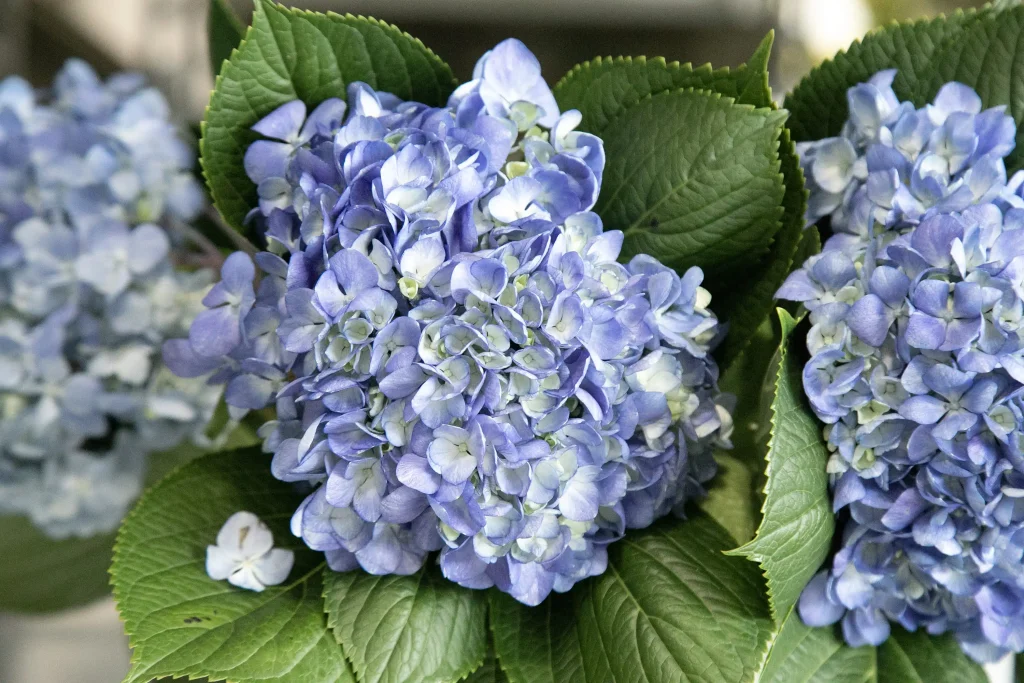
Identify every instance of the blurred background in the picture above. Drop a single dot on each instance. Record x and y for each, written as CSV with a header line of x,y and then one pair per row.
x,y
166,39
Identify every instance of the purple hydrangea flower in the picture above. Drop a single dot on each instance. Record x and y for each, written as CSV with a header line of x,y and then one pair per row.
x,y
915,305
458,361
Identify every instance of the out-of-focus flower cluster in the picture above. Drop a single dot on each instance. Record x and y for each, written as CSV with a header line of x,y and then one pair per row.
x,y
88,295
459,363
917,366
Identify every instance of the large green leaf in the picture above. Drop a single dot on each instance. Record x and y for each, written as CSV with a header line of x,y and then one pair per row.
x,y
819,655
605,88
815,655
797,521
292,54
987,56
670,607
180,621
922,658
224,33
693,178
488,672
818,106
402,628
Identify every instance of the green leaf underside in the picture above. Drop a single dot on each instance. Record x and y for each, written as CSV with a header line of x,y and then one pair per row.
x,y
604,88
488,672
797,521
694,179
732,499
292,54
818,106
41,574
403,628
180,622
224,32
670,607
988,56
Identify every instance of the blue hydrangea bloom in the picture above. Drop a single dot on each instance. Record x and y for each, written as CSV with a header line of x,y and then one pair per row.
x,y
458,361
90,173
916,368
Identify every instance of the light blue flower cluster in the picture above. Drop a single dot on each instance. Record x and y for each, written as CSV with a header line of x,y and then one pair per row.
x,y
459,363
917,369
88,295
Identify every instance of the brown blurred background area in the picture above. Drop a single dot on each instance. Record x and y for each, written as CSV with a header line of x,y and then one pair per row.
x,y
166,38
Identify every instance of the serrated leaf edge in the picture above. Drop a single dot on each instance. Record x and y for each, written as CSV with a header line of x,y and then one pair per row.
x,y
295,11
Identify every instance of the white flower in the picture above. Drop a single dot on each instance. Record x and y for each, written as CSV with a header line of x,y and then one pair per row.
x,y
245,554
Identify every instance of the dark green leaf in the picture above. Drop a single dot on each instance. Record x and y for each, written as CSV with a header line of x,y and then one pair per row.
x,y
402,628
292,54
489,671
604,88
181,622
988,56
224,32
670,607
694,179
732,498
797,521
818,104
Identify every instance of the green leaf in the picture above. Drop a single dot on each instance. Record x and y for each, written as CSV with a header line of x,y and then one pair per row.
x,y
922,658
815,655
732,498
797,521
987,56
819,655
604,88
225,31
180,622
818,106
401,628
670,607
694,178
748,303
489,671
292,54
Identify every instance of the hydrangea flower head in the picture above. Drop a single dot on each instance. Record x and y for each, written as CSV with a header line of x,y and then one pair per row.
x,y
916,369
89,177
458,361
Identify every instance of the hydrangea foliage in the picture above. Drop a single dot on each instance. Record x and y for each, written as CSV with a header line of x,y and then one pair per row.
x,y
90,172
916,368
457,360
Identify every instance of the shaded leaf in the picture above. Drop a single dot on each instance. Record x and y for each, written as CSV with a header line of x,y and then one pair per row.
x,y
987,56
818,106
224,33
